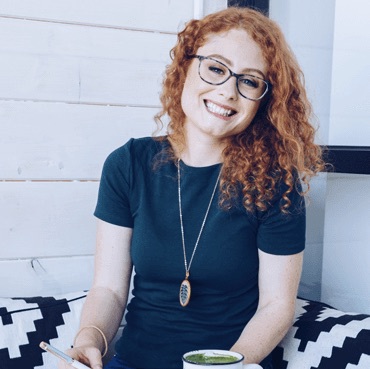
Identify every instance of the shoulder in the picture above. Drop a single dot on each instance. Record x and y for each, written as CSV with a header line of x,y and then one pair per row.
x,y
283,195
129,162
283,232
137,149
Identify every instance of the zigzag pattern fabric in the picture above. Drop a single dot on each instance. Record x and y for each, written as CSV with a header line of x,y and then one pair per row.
x,y
25,322
323,337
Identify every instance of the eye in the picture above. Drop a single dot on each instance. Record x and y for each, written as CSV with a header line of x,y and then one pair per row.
x,y
249,81
216,69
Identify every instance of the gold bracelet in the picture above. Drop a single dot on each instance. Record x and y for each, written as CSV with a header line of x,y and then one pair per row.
x,y
100,331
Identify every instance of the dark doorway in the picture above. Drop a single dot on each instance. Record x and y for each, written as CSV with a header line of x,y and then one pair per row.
x,y
262,5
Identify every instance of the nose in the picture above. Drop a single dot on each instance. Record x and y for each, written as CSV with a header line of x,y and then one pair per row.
x,y
229,89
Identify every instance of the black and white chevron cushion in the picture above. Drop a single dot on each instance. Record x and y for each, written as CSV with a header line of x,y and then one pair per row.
x,y
25,322
325,338
321,337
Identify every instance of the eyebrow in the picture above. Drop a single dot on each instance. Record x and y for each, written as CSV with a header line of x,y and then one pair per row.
x,y
227,61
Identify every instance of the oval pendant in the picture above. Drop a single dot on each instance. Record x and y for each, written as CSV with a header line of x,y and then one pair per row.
x,y
185,292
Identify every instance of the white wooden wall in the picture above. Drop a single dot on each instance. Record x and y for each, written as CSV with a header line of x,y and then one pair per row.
x,y
77,80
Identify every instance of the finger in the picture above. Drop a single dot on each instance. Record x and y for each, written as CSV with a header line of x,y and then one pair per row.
x,y
95,359
96,366
73,354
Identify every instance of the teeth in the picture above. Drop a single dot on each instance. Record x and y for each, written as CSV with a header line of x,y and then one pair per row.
x,y
218,110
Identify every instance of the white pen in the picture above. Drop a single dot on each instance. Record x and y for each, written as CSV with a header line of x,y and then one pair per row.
x,y
61,355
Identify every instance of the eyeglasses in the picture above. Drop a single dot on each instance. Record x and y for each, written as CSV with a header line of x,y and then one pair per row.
x,y
214,72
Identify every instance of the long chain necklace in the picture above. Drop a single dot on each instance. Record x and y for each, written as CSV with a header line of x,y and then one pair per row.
x,y
185,288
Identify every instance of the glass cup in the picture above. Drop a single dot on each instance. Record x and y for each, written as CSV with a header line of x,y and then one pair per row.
x,y
215,358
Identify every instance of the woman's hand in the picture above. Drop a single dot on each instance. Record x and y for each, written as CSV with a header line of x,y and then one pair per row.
x,y
88,355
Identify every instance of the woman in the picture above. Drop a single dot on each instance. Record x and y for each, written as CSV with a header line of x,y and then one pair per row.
x,y
212,214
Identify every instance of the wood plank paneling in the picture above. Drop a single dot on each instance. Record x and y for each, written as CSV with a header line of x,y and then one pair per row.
x,y
40,219
54,62
158,15
44,276
44,38
39,77
64,141
46,78
50,78
77,80
120,82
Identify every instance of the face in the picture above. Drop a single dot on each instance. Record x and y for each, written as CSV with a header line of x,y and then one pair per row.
x,y
219,111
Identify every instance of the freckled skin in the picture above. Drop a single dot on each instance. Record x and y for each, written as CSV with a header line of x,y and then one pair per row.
x,y
243,53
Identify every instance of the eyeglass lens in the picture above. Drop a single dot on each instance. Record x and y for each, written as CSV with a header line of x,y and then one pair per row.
x,y
216,73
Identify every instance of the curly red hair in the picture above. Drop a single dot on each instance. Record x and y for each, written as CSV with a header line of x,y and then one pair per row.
x,y
278,146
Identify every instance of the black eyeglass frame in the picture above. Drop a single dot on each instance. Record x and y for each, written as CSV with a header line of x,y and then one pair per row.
x,y
232,74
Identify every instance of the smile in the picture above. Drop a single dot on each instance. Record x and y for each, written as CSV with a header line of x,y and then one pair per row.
x,y
216,109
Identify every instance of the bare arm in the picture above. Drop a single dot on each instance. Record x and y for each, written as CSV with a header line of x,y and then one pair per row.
x,y
106,300
278,284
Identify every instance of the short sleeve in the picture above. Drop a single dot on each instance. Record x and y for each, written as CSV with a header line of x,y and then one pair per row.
x,y
283,233
113,204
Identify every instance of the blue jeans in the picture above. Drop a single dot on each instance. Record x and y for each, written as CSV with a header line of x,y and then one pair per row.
x,y
117,363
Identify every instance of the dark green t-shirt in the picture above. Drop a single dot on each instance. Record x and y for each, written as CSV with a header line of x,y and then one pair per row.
x,y
224,271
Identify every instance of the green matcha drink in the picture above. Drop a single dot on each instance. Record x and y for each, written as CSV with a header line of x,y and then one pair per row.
x,y
223,359
214,359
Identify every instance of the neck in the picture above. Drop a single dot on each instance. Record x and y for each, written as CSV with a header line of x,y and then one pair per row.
x,y
201,155
202,152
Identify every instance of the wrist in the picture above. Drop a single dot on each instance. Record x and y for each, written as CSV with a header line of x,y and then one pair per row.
x,y
91,335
